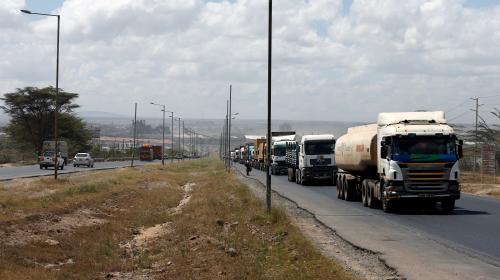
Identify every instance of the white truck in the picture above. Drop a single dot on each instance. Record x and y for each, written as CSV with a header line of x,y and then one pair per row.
x,y
407,156
311,159
278,151
62,148
48,159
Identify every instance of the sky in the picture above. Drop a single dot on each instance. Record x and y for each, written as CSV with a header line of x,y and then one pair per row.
x,y
333,60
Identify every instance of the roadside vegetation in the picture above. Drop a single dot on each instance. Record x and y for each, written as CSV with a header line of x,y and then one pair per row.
x,y
186,221
478,184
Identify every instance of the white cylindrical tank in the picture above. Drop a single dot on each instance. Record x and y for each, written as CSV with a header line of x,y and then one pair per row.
x,y
356,151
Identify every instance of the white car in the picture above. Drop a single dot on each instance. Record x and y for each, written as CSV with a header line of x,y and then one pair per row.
x,y
48,159
83,159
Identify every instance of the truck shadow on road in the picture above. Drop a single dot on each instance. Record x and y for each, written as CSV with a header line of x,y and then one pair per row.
x,y
437,212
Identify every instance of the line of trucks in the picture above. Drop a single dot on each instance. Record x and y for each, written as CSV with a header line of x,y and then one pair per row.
x,y
406,156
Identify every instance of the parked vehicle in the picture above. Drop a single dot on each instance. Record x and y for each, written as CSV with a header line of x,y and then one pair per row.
x,y
236,155
62,148
278,151
83,159
48,159
311,159
146,153
260,153
404,156
157,152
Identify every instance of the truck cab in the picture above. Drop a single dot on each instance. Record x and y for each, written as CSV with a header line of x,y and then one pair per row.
x,y
316,158
278,157
418,157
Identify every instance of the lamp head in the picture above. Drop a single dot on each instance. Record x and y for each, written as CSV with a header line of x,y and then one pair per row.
x,y
26,11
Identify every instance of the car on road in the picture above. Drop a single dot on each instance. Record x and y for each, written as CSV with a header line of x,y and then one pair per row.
x,y
48,159
83,159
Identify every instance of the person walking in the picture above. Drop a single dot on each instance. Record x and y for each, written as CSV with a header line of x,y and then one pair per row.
x,y
248,167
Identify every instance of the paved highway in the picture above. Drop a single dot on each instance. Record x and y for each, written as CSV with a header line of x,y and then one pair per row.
x,y
34,170
420,245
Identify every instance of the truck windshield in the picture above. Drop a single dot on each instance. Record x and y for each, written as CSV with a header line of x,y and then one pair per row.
x,y
424,148
280,152
319,148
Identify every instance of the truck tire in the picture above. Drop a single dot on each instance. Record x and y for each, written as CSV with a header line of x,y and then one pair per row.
x,y
350,191
447,206
369,195
364,192
291,174
297,174
345,190
62,166
41,167
338,187
342,187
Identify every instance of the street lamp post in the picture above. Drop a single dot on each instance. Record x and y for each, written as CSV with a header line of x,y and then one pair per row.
x,y
269,61
57,87
172,132
163,138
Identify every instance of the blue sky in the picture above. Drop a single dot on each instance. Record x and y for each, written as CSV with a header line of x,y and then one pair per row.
x,y
43,5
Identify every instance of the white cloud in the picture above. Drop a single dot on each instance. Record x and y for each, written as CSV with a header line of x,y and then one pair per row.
x,y
382,55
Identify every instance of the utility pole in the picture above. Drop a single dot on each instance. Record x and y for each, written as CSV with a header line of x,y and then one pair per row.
x,y
476,133
269,68
135,135
229,129
183,140
172,145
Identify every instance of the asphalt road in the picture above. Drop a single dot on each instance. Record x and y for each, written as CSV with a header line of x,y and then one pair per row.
x,y
465,245
34,170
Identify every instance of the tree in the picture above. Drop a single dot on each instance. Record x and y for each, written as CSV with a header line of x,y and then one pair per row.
x,y
32,109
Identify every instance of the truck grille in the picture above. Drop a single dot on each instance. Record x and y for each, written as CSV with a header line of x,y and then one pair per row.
x,y
325,161
426,176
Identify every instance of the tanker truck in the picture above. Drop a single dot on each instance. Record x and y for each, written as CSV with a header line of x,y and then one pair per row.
x,y
407,156
311,159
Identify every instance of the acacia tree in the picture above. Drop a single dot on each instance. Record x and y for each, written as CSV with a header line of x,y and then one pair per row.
x,y
31,112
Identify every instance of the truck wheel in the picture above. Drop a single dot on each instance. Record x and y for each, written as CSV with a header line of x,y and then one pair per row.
x,y
62,166
447,206
339,187
364,199
41,167
370,200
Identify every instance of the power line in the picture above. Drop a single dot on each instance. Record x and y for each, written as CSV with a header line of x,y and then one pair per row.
x,y
451,109
460,115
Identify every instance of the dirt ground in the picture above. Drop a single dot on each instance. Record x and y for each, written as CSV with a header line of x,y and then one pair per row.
x,y
187,221
362,263
483,185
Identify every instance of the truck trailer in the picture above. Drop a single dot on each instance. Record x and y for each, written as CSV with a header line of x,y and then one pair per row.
x,y
404,156
311,159
260,153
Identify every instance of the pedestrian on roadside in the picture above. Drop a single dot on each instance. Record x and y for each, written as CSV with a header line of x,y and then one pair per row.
x,y
248,167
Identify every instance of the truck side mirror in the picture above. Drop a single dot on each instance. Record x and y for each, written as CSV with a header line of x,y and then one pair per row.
x,y
383,152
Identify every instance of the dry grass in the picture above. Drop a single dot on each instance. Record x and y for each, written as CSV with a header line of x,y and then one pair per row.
x,y
219,213
481,184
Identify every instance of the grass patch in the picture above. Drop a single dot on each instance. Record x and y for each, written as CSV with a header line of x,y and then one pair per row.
x,y
108,208
476,183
